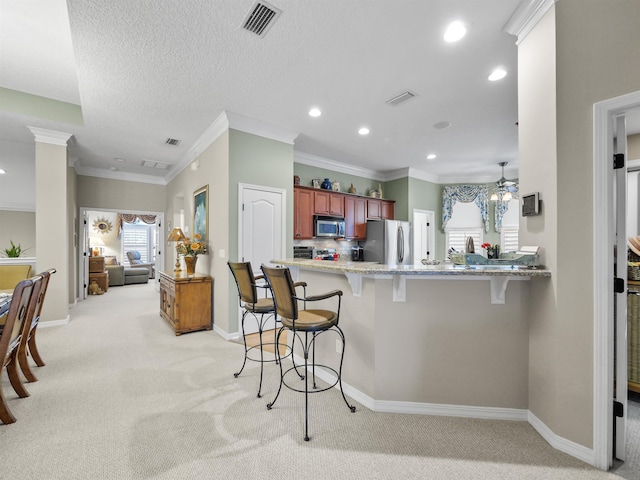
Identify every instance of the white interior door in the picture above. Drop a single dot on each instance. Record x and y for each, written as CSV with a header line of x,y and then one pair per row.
x,y
423,235
262,228
620,302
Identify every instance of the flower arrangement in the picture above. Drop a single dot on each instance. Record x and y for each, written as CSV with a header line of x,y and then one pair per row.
x,y
493,251
191,247
487,246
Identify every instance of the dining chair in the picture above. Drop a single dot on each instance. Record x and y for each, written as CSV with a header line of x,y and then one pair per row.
x,y
10,341
306,325
28,341
261,308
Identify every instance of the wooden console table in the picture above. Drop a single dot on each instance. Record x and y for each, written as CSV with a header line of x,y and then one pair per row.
x,y
185,301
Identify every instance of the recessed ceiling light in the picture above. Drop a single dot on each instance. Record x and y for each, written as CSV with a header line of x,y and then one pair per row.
x,y
363,131
2,172
118,159
431,156
455,31
441,125
315,112
113,169
497,74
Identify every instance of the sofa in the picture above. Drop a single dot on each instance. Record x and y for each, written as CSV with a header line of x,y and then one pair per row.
x,y
120,275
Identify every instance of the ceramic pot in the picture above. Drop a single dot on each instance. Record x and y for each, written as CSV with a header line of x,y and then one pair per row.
x,y
326,184
190,262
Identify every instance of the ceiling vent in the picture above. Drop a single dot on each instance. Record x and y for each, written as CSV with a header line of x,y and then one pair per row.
x,y
398,99
152,164
260,18
172,141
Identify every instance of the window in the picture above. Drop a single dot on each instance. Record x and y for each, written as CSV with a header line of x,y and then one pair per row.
x,y
457,238
466,221
138,236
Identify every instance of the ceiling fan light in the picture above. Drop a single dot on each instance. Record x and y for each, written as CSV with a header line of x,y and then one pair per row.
x,y
494,197
506,197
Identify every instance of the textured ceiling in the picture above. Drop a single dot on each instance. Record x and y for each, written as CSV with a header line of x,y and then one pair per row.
x,y
144,71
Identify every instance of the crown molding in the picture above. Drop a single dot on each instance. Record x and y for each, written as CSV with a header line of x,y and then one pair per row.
x,y
526,17
260,128
321,162
117,175
18,207
50,136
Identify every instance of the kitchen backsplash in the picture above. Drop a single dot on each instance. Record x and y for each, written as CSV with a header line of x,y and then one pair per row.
x,y
343,247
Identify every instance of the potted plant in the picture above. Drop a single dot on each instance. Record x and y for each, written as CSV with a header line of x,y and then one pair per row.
x,y
15,251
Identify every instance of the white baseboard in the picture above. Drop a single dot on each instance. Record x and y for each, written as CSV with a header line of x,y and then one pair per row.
x,y
55,323
225,335
576,450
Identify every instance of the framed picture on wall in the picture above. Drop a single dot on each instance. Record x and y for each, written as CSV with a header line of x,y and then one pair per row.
x,y
201,213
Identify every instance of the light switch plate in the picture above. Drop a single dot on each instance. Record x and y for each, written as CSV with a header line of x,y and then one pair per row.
x,y
221,253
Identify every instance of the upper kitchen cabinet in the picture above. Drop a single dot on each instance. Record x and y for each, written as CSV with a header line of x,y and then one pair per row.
x,y
328,203
355,218
303,208
380,209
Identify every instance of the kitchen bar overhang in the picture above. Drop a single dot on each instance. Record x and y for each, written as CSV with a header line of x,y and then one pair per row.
x,y
498,276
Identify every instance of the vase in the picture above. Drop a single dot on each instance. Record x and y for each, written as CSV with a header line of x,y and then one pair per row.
x,y
326,185
190,262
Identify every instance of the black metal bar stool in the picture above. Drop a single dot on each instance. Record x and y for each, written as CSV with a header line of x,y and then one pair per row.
x,y
261,309
309,324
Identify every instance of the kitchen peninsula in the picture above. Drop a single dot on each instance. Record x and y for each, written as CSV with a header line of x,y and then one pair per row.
x,y
439,339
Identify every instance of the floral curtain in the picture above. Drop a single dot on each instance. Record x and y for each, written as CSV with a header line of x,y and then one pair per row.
x,y
479,194
501,209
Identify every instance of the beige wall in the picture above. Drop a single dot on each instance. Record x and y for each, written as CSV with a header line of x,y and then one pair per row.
x,y
580,51
97,193
447,344
19,227
633,146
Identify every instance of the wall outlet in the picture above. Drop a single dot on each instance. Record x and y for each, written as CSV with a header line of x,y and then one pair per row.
x,y
338,346
221,253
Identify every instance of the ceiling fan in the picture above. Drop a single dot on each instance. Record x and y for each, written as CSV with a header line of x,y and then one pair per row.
x,y
504,188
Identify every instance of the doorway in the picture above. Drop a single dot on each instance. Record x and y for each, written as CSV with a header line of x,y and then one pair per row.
x,y
605,344
424,239
262,230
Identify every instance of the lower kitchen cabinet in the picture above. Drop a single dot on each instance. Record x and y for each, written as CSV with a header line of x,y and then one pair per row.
x,y
185,301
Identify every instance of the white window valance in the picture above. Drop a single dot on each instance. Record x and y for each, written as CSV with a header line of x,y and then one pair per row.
x,y
478,194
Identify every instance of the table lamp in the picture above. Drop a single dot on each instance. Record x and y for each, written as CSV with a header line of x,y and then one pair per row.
x,y
175,236
95,246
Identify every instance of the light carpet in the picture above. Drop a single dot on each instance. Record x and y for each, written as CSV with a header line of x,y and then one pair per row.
x,y
122,397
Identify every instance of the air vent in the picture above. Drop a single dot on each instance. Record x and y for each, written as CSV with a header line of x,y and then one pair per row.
x,y
398,99
152,164
172,141
260,18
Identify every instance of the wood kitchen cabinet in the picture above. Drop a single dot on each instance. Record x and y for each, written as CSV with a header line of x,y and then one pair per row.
x,y
303,208
380,209
185,301
328,203
355,217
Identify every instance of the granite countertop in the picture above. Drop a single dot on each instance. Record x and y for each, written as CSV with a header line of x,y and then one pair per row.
x,y
371,268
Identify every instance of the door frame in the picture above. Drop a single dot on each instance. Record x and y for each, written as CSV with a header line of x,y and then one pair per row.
x,y
431,236
603,241
83,258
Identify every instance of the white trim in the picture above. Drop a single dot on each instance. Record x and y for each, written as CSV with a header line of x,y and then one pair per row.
x,y
18,207
117,175
227,336
50,136
526,17
321,162
603,342
55,323
559,443
262,129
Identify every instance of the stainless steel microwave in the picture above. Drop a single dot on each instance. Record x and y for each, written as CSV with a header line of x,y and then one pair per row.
x,y
329,227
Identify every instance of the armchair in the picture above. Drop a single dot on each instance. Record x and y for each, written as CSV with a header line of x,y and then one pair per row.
x,y
135,261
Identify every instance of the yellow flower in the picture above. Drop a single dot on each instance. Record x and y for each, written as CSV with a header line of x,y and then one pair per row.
x,y
197,236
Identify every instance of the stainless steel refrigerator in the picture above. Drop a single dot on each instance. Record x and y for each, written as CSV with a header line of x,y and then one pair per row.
x,y
388,242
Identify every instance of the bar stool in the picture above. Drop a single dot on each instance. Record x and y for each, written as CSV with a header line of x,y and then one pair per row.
x,y
311,323
261,309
